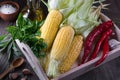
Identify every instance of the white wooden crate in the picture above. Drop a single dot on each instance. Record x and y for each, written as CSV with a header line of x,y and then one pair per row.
x,y
77,70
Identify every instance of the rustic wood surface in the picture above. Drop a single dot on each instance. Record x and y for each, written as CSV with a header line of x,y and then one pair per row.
x,y
108,71
4,64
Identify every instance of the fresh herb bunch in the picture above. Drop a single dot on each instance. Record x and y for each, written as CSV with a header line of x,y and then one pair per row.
x,y
26,31
8,47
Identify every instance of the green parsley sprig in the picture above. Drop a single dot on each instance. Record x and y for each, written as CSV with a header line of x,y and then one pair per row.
x,y
26,31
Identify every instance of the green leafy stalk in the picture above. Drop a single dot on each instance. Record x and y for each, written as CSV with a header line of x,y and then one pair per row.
x,y
84,19
8,46
26,31
4,42
92,20
66,7
77,18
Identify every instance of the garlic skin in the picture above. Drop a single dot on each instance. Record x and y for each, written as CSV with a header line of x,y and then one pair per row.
x,y
26,71
14,75
114,43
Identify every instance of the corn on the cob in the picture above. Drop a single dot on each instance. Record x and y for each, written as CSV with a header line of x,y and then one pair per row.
x,y
72,54
62,42
60,49
50,27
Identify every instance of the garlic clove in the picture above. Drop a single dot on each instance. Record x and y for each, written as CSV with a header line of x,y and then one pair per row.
x,y
114,43
26,71
13,75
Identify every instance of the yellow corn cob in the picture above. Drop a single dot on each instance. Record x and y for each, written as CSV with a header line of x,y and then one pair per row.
x,y
73,54
62,42
50,27
60,49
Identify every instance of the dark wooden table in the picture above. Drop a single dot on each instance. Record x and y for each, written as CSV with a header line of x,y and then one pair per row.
x,y
108,71
4,64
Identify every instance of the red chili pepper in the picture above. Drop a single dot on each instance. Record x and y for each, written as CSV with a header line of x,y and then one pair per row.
x,y
105,52
98,45
91,37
